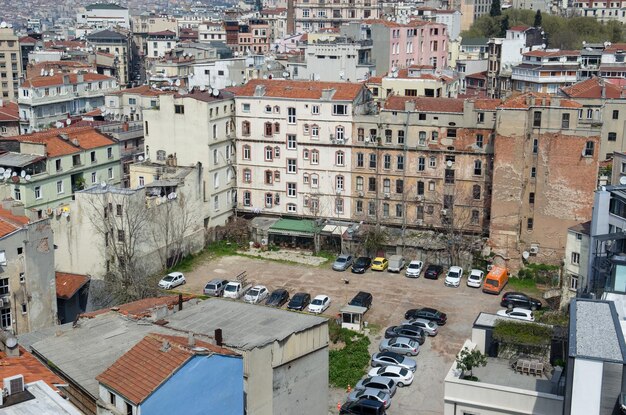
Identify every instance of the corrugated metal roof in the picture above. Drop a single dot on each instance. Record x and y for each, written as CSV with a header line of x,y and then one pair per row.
x,y
303,226
11,159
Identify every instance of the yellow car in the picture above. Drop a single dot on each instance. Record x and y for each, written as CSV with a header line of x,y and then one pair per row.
x,y
380,264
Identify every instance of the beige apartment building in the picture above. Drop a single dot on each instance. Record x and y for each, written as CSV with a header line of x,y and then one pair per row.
x,y
294,143
425,163
197,129
544,176
313,15
10,64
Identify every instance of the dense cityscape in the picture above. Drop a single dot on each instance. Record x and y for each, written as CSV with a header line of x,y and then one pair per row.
x,y
312,207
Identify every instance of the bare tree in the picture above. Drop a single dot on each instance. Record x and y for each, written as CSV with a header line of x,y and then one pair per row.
x,y
120,217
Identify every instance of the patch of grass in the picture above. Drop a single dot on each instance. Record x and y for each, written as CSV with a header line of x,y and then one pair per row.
x,y
214,250
329,256
522,334
527,286
554,318
374,328
347,365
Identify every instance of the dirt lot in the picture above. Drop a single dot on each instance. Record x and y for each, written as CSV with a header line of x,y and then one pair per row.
x,y
393,294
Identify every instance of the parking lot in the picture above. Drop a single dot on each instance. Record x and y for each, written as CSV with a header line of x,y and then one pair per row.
x,y
392,294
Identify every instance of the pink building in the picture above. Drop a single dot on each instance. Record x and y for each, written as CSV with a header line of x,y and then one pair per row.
x,y
400,45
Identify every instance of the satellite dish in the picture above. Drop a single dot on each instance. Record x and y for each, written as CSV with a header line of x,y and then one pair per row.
x,y
216,92
341,74
449,163
45,73
622,180
264,76
6,174
27,177
51,72
140,158
202,88
66,214
285,75
233,83
58,124
177,82
14,174
23,174
1,171
525,254
68,121
3,25
103,184
42,72
395,74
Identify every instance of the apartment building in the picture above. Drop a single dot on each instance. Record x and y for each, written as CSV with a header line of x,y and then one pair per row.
x,y
115,44
313,15
425,163
51,166
9,118
129,104
197,129
250,37
472,10
415,81
545,171
160,43
277,21
27,295
103,16
10,64
603,11
211,32
146,23
546,71
47,100
294,140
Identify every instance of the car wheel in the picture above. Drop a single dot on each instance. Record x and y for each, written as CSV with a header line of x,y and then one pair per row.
x,y
400,384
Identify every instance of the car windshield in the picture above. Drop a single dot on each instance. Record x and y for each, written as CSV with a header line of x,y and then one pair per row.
x,y
412,343
381,395
495,283
453,274
254,292
230,288
168,278
297,299
317,302
403,372
340,259
474,277
275,296
210,286
361,261
414,266
378,262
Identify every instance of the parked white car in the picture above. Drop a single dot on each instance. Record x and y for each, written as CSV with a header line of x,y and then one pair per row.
x,y
518,313
414,269
319,304
256,294
453,277
171,280
475,278
400,375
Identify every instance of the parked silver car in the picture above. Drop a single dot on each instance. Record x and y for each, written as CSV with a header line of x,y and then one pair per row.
x,y
401,345
383,359
414,269
430,327
342,262
215,287
378,382
370,393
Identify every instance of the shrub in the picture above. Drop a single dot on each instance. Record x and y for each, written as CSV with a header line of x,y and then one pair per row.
x,y
347,365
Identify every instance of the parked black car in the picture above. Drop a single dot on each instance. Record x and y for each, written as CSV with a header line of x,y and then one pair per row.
x,y
433,271
411,332
299,301
362,299
277,298
427,313
521,300
363,407
361,264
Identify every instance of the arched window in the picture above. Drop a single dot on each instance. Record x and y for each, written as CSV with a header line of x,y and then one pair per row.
x,y
268,108
269,154
276,128
276,152
340,132
268,129
247,175
339,183
340,158
476,190
246,152
269,177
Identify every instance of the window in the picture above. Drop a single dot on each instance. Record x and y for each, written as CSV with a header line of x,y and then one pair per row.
x,y
589,147
372,160
315,109
291,189
247,175
399,210
386,210
422,138
315,157
269,200
340,109
276,128
120,236
451,132
479,140
360,134
339,205
17,193
291,207
612,137
315,132
371,208
76,160
359,183
400,186
388,136
573,282
565,121
386,161
57,163
305,154
531,198
269,129
245,107
371,184
314,181
475,217
291,142
421,164
5,316
339,158
575,258
268,109
339,183
400,136
60,187
400,162
246,198
359,206
291,115
432,162
129,409
269,153
4,284
449,176
269,177
431,186
179,109
245,128
306,129
38,192
434,136
478,168
386,186
535,145
216,202
291,166
529,224
537,119
359,159
615,114
246,152
216,180
420,188
476,190
118,210
215,157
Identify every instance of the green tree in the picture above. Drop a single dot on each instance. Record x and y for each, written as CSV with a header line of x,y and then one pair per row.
x,y
504,25
537,22
496,8
469,359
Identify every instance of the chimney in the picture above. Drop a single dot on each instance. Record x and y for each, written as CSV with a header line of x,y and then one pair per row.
x,y
165,347
218,337
409,106
80,78
327,94
9,344
191,341
66,79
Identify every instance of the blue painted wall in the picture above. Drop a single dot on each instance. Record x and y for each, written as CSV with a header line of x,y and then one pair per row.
x,y
205,385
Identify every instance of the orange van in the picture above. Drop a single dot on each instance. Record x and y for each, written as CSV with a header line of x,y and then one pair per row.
x,y
495,280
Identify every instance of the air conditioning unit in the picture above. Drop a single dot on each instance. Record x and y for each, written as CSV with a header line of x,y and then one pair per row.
x,y
368,139
419,198
387,195
361,194
14,384
332,136
534,249
444,212
340,141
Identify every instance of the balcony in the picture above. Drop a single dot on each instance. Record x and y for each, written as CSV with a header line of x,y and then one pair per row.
x,y
366,62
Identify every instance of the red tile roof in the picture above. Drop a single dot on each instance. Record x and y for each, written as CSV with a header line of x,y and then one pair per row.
x,y
162,33
68,284
547,53
614,47
425,104
144,90
477,75
10,223
487,104
522,101
141,308
88,138
141,370
9,111
47,81
592,88
27,40
344,91
28,366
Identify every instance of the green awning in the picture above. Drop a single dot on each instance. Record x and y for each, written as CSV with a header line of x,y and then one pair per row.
x,y
294,227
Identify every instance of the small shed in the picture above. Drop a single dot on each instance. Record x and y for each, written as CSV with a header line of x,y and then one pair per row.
x,y
352,317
